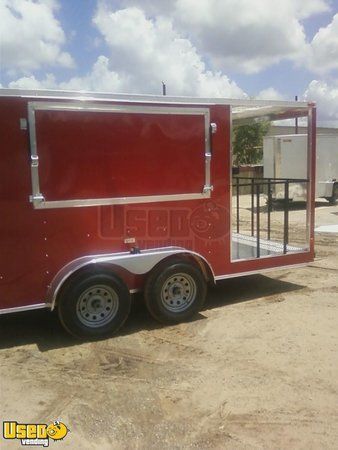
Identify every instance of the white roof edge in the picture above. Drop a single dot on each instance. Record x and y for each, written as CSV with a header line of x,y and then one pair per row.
x,y
105,96
282,136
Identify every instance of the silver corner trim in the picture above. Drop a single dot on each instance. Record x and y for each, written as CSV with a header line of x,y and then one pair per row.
x,y
208,190
37,200
24,308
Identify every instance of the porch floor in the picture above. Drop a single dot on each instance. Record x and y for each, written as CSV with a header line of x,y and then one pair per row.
x,y
245,247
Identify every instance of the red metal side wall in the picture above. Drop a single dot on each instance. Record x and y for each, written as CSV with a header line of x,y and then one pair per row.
x,y
36,244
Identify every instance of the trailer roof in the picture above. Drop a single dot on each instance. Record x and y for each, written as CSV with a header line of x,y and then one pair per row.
x,y
242,109
43,93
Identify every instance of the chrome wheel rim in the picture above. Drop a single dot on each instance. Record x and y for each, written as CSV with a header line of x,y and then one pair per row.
x,y
178,292
97,306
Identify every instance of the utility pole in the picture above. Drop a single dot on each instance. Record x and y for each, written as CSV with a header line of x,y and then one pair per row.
x,y
164,88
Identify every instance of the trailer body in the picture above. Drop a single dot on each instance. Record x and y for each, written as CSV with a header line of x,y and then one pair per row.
x,y
284,156
98,183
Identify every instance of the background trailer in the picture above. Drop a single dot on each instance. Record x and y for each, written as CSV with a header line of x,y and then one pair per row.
x,y
105,195
284,157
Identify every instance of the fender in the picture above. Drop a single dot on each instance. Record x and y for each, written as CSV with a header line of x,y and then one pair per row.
x,y
136,263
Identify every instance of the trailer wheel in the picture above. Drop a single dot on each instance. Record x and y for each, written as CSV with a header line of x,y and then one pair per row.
x,y
94,305
175,291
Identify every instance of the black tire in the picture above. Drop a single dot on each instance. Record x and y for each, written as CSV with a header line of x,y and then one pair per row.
x,y
94,304
175,291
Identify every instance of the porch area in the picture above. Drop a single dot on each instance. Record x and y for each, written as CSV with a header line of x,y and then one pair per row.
x,y
262,229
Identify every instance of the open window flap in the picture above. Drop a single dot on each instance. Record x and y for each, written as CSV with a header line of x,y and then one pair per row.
x,y
93,154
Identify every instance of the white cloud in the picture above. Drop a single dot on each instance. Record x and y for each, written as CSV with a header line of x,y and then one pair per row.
x,y
241,35
303,9
142,53
151,7
146,51
270,94
31,36
100,78
166,41
326,97
307,8
30,82
322,56
262,34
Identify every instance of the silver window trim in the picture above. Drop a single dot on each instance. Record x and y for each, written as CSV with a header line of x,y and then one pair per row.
x,y
37,197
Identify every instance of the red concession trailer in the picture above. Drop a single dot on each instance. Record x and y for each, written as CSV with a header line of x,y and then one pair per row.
x,y
104,195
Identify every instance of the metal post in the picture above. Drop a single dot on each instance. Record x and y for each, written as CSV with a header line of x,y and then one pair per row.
x,y
269,208
252,207
237,204
164,88
258,221
286,216
296,118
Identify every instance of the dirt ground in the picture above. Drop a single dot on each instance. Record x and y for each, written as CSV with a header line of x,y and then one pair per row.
x,y
257,369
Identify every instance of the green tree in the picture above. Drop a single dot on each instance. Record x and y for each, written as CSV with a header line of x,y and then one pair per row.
x,y
248,142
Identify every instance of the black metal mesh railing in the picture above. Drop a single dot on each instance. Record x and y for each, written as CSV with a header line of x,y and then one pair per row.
x,y
268,186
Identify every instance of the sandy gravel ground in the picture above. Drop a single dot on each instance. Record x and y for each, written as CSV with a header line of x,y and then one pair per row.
x,y
257,369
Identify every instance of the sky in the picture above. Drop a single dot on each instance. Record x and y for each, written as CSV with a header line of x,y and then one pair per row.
x,y
207,48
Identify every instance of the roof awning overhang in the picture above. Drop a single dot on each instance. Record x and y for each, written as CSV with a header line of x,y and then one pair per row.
x,y
243,110
245,115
